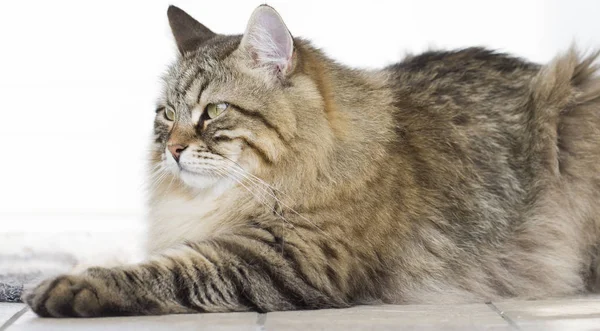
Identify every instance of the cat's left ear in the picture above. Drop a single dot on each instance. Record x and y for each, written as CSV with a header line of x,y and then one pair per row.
x,y
268,41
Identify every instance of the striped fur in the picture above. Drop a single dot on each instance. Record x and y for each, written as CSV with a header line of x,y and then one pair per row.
x,y
459,176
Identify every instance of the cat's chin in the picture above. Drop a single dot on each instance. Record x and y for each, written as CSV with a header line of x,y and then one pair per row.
x,y
198,180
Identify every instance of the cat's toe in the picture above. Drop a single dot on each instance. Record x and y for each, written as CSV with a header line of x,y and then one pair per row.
x,y
64,296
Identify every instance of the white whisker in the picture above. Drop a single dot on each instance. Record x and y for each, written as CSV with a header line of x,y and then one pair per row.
x,y
262,199
257,182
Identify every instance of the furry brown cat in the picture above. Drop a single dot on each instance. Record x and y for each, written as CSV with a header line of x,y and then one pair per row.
x,y
284,180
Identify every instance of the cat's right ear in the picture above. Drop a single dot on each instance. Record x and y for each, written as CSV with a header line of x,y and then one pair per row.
x,y
189,34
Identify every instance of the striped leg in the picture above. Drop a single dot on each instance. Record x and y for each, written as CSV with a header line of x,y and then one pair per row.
x,y
252,271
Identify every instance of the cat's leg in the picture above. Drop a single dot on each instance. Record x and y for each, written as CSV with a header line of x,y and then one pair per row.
x,y
255,271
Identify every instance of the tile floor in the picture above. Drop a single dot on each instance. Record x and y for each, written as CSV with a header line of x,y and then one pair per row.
x,y
561,314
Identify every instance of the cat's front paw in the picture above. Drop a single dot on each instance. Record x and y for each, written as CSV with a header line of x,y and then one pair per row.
x,y
68,296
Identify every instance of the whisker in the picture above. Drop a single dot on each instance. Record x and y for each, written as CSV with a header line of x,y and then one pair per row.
x,y
160,177
253,176
274,209
261,199
169,186
258,181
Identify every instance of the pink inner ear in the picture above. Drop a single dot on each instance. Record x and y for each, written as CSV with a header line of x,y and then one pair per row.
x,y
268,39
279,33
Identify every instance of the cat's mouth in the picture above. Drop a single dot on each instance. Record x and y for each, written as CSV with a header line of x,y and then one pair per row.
x,y
198,178
195,172
187,167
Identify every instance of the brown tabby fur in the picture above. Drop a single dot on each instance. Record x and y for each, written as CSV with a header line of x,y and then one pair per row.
x,y
461,176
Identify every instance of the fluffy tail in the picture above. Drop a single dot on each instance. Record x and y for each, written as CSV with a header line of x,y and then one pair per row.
x,y
568,82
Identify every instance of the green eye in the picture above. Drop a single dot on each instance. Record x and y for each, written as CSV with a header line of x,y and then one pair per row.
x,y
215,109
170,114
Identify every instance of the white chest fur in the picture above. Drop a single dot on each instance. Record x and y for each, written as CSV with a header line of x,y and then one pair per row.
x,y
176,218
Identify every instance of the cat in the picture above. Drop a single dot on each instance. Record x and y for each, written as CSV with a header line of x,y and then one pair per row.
x,y
284,180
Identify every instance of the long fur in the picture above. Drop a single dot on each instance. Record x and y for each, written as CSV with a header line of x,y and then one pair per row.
x,y
452,176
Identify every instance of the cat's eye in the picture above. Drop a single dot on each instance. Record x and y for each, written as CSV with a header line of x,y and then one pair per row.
x,y
215,109
170,114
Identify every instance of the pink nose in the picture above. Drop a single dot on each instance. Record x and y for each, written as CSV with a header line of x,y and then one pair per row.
x,y
176,150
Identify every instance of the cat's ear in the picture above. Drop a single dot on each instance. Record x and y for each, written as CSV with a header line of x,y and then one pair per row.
x,y
268,41
189,34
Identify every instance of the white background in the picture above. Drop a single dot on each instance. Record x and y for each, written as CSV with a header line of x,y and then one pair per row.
x,y
78,81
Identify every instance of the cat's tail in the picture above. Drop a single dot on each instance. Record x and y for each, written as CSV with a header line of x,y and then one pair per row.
x,y
564,105
569,78
560,90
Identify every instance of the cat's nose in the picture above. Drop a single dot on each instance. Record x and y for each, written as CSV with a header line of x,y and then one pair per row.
x,y
176,150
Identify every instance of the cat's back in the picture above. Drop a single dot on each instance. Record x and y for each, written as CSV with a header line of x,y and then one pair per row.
x,y
461,122
480,128
469,107
471,79
472,59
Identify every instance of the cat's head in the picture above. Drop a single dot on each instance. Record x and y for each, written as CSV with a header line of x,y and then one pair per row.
x,y
236,104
